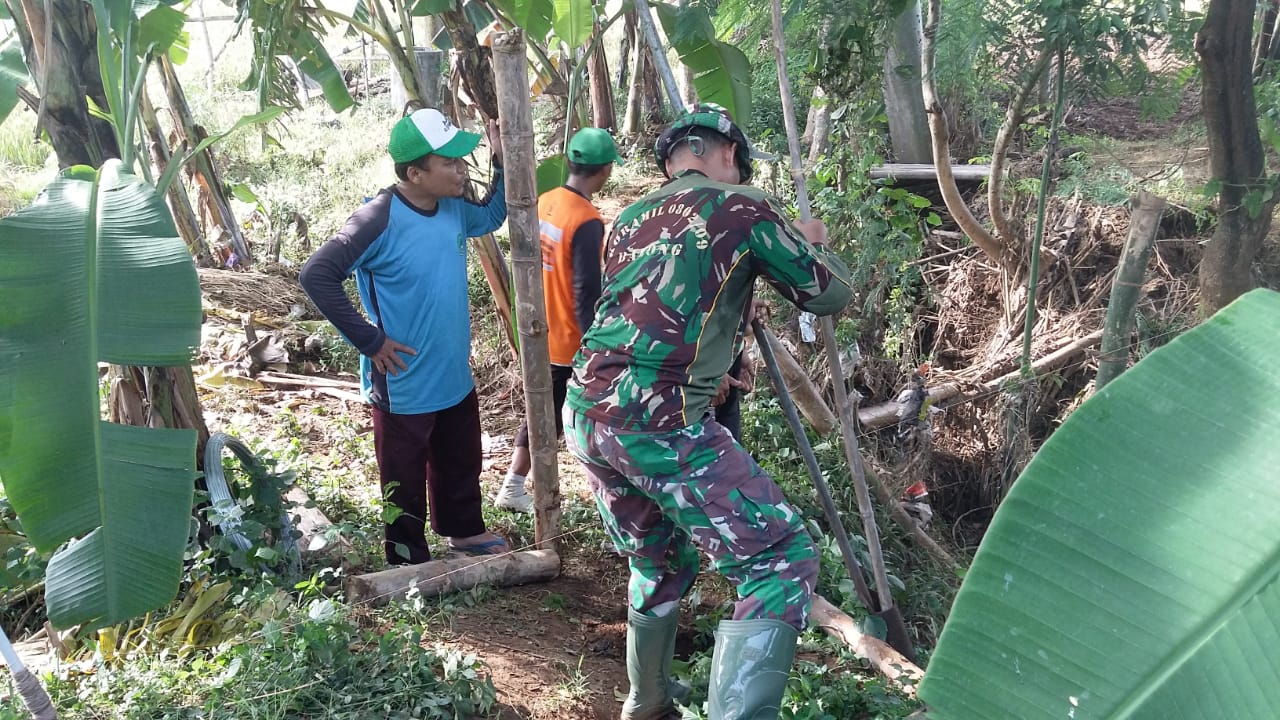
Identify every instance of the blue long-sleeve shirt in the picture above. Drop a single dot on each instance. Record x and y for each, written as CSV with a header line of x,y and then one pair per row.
x,y
411,272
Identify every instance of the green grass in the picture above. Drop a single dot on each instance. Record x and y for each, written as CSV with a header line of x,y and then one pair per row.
x,y
26,164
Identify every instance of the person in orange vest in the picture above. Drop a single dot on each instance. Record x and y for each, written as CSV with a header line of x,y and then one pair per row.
x,y
572,233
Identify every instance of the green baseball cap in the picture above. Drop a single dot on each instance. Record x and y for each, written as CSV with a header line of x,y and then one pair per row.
x,y
429,132
593,146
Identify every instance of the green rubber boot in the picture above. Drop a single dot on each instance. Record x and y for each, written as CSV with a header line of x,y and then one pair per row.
x,y
749,669
650,644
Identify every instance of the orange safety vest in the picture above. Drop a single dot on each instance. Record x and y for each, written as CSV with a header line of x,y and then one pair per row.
x,y
560,213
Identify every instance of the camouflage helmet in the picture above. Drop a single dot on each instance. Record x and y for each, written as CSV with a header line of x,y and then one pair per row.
x,y
707,115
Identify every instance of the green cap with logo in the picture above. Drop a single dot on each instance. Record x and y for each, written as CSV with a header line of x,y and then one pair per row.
x,y
593,146
429,132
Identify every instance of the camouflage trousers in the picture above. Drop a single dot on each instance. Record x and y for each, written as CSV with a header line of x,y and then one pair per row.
x,y
661,494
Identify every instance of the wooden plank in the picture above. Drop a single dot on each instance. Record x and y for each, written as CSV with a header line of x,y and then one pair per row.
x,y
917,171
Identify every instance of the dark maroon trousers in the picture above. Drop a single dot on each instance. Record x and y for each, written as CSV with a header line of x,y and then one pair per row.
x,y
432,458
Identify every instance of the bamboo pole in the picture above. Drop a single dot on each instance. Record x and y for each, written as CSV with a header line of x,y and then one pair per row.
x,y
512,87
1127,287
848,422
815,473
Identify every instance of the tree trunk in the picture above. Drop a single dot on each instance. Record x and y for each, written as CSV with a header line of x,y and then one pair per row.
x,y
475,63
690,94
1266,38
439,577
526,261
62,56
602,115
1000,150
941,148
904,103
1235,153
631,118
820,132
650,93
624,54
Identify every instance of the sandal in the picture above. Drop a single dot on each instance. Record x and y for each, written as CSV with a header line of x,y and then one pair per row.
x,y
489,547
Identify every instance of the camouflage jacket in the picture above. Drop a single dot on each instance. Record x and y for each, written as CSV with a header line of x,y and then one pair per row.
x,y
679,272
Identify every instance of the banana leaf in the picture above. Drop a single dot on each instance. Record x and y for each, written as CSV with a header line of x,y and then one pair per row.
x,y
13,74
573,21
1131,571
721,72
93,271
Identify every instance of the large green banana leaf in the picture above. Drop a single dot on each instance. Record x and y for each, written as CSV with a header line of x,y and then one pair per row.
x,y
13,74
1131,571
721,72
573,21
94,271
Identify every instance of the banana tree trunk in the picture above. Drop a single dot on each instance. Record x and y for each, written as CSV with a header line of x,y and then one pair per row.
x,y
61,52
474,62
602,115
206,170
179,203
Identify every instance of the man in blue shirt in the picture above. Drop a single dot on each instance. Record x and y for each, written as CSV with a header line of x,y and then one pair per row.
x,y
408,250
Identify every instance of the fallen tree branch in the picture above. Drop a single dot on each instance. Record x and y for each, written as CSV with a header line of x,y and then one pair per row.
x,y
281,378
888,662
801,386
885,414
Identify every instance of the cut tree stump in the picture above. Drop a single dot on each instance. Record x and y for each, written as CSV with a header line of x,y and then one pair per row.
x,y
438,577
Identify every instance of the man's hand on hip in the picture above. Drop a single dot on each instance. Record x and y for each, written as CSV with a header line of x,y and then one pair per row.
x,y
387,361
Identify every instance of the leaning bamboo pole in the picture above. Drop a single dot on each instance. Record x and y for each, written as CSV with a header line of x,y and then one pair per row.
x,y
512,86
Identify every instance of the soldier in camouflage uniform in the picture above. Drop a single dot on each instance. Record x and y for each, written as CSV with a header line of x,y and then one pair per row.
x,y
669,481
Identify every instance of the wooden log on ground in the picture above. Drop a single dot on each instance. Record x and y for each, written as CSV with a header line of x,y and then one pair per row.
x,y
511,76
439,577
921,171
888,662
801,387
